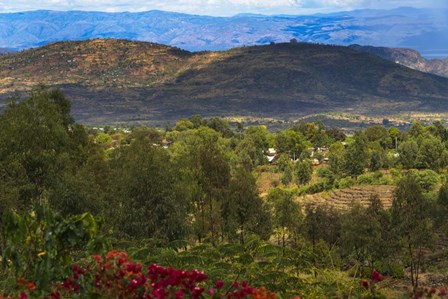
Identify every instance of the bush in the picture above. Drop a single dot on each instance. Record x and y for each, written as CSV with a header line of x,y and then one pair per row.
x,y
319,186
427,179
396,175
392,269
376,178
115,275
366,179
324,172
343,183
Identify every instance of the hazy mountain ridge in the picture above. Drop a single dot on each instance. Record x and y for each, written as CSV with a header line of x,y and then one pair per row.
x,y
123,81
403,27
6,51
409,58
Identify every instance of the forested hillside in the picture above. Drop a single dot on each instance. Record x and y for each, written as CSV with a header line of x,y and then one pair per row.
x,y
118,81
190,197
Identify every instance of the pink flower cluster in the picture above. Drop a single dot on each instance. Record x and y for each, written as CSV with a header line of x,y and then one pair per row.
x,y
116,276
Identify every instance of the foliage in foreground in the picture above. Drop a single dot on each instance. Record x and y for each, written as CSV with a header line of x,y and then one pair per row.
x,y
116,276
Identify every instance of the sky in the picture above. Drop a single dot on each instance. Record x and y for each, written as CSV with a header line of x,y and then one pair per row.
x,y
216,7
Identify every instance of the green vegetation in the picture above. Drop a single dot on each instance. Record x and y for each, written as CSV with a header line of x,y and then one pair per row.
x,y
204,196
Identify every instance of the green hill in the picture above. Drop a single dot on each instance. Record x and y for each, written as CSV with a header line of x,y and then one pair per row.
x,y
122,81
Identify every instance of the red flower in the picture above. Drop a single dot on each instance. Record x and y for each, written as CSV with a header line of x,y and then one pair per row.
x,y
365,284
442,292
180,294
23,296
31,286
212,291
377,277
219,284
76,288
55,295
67,284
197,291
98,259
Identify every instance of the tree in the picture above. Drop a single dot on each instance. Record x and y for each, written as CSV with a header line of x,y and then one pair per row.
x,y
148,203
197,121
291,142
379,134
336,158
416,129
356,155
287,176
376,160
143,132
287,214
322,223
361,233
204,170
243,206
393,136
220,125
39,142
442,208
408,152
427,179
335,134
104,140
383,247
304,171
412,224
249,155
442,197
440,131
430,154
283,162
183,125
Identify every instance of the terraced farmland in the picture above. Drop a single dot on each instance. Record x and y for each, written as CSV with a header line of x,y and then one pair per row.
x,y
343,199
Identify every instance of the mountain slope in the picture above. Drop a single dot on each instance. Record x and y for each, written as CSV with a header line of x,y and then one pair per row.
x,y
393,28
409,58
123,81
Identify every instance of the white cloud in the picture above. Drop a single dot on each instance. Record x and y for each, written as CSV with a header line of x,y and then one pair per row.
x,y
214,7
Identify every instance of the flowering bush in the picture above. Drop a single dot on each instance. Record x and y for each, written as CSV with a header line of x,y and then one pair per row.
x,y
376,277
117,276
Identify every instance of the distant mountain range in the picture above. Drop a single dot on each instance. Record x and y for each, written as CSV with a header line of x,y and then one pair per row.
x,y
119,81
424,30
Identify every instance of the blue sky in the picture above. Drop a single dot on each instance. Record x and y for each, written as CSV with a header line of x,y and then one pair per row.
x,y
216,7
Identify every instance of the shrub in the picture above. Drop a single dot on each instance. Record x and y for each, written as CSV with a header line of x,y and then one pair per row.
x,y
346,182
319,186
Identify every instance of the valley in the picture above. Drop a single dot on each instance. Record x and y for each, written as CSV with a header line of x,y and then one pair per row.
x,y
271,149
